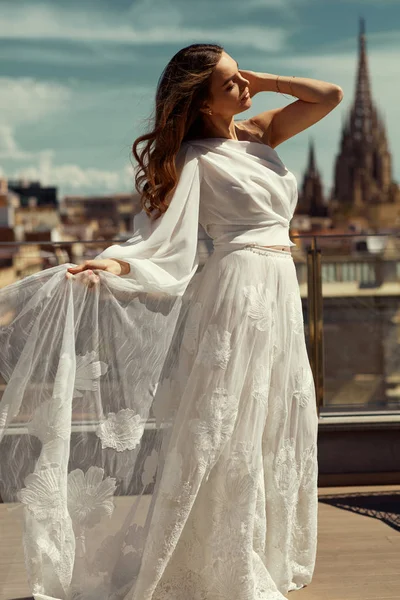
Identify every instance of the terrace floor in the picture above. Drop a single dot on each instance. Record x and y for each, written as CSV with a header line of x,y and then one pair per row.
x,y
358,556
358,547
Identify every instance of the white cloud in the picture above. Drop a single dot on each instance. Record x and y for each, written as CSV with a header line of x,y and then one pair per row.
x,y
68,178
155,25
26,99
72,178
9,148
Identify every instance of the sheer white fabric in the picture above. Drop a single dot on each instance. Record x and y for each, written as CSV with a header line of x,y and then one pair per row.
x,y
159,430
163,254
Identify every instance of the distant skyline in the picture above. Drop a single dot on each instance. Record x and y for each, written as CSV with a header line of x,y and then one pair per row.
x,y
77,78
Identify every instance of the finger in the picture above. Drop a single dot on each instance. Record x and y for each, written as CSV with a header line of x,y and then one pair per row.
x,y
95,278
88,278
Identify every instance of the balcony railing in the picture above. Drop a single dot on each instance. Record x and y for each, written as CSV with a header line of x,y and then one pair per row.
x,y
350,290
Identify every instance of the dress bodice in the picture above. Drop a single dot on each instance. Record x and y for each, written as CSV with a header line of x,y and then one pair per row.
x,y
246,192
239,191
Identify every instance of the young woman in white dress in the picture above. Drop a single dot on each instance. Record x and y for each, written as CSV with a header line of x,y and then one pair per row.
x,y
230,91
169,446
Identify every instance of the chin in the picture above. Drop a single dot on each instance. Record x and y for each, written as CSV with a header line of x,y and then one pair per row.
x,y
245,106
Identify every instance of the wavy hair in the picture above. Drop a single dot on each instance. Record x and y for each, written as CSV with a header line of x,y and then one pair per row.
x,y
181,90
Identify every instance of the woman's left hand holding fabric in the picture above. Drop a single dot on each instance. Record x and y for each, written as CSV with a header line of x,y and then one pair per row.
x,y
86,273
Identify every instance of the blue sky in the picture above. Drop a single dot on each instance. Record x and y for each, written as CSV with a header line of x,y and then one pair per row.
x,y
77,77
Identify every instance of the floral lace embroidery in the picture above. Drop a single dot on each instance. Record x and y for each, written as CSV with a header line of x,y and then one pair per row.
x,y
90,498
164,534
43,494
233,495
217,414
260,306
304,386
285,469
47,422
229,581
291,469
242,453
215,348
261,385
309,470
121,431
88,372
277,412
237,488
295,312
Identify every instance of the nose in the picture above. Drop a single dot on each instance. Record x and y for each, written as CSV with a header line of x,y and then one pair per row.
x,y
245,83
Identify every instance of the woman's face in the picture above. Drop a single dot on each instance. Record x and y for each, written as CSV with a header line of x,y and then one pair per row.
x,y
228,89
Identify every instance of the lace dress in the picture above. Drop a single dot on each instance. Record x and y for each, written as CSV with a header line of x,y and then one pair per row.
x,y
159,431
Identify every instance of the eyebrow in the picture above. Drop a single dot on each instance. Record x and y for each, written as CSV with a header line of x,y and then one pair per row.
x,y
228,80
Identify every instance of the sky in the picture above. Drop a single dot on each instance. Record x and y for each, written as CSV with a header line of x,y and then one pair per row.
x,y
78,77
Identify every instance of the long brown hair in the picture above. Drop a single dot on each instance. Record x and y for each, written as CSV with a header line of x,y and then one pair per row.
x,y
182,87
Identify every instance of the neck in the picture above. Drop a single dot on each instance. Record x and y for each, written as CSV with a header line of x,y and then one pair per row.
x,y
219,127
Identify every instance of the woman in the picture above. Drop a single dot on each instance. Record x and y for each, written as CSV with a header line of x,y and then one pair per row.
x,y
165,447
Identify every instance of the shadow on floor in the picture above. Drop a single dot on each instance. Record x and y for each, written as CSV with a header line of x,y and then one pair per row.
x,y
384,506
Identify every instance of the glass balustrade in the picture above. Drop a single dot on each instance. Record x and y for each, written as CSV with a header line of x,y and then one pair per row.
x,y
350,290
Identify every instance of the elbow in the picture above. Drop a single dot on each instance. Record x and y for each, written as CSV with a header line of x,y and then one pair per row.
x,y
336,95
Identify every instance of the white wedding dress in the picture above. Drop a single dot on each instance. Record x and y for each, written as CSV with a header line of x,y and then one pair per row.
x,y
160,429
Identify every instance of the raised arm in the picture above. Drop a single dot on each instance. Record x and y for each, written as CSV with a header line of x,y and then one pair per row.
x,y
316,99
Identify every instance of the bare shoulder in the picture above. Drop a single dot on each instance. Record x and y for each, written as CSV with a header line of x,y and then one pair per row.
x,y
249,130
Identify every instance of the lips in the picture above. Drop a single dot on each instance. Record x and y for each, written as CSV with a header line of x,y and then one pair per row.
x,y
245,97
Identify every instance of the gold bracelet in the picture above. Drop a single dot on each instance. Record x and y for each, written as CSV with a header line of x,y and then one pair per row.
x,y
277,86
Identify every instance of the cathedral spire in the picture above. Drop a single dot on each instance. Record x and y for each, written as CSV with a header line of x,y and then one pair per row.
x,y
362,108
311,198
312,167
362,26
363,173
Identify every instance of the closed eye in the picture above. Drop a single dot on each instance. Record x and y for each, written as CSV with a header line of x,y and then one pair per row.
x,y
227,81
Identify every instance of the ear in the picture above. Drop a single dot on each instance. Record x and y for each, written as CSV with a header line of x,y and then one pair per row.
x,y
205,109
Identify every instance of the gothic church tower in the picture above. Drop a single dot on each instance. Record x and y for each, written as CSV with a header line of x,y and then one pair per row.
x,y
363,183
311,197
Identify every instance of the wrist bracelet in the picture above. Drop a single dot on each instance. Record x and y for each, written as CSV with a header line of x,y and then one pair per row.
x,y
290,86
